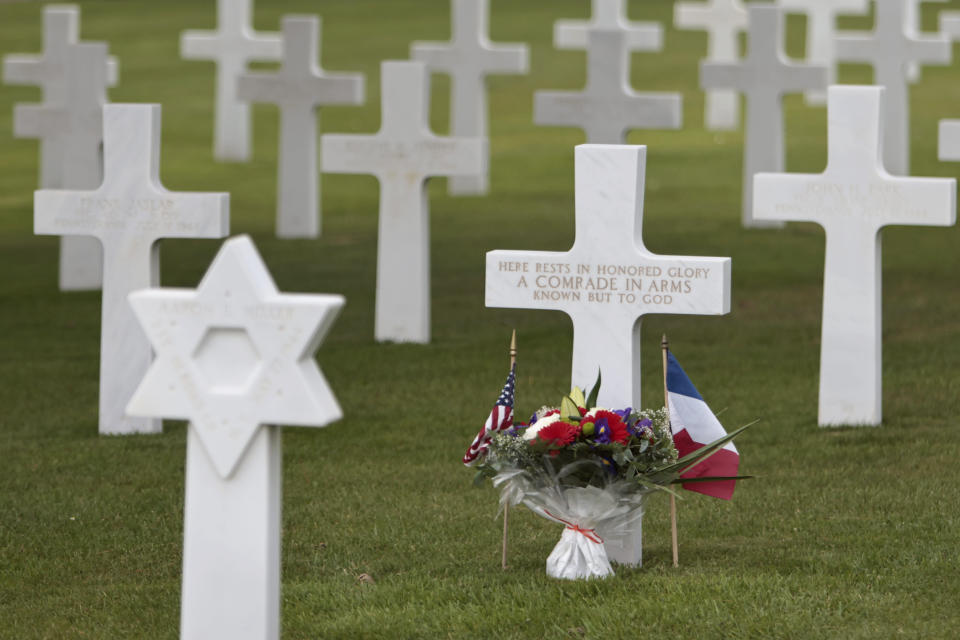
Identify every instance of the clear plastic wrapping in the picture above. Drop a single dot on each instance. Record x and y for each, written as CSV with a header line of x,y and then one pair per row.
x,y
580,553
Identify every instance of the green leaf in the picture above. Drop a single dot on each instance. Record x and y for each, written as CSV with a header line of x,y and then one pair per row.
x,y
568,409
708,479
592,398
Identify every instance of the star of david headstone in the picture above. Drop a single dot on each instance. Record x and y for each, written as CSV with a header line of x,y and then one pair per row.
x,y
235,357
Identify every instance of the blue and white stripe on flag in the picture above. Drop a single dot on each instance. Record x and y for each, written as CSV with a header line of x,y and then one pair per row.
x,y
694,426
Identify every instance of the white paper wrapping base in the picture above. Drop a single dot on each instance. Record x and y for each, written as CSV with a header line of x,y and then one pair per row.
x,y
576,556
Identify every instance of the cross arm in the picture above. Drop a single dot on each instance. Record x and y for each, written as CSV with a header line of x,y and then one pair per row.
x,y
503,58
721,75
261,86
921,201
856,47
348,153
190,215
198,45
338,88
36,120
21,69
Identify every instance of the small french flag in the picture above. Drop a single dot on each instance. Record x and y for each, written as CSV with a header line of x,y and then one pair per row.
x,y
694,426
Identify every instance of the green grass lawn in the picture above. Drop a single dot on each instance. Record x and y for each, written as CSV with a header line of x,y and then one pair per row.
x,y
847,533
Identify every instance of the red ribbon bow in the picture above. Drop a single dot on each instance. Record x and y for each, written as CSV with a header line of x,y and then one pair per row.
x,y
589,534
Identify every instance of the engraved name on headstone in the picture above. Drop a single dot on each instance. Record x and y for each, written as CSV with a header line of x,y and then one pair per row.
x,y
853,200
468,58
888,49
128,214
299,88
235,357
232,46
764,76
607,282
724,21
607,107
73,78
403,155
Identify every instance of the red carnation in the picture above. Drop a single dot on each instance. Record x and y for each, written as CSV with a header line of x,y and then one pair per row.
x,y
615,429
558,434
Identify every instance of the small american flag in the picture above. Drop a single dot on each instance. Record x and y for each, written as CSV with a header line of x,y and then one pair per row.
x,y
501,417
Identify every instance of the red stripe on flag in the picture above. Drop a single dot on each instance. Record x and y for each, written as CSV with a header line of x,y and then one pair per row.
x,y
722,463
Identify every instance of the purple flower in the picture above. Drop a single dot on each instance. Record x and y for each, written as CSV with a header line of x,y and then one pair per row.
x,y
601,431
641,426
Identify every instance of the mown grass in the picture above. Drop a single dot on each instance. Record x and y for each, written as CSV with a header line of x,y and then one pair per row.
x,y
846,533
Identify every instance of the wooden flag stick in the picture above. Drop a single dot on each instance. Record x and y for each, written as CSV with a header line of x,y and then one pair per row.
x,y
665,347
506,507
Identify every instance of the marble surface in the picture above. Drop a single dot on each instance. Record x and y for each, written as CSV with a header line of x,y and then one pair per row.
x,y
889,49
913,24
607,107
128,214
948,141
299,88
724,21
232,46
607,282
235,357
853,200
68,124
468,59
821,31
608,15
402,156
763,76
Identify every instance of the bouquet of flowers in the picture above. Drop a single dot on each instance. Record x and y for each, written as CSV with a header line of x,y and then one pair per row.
x,y
586,467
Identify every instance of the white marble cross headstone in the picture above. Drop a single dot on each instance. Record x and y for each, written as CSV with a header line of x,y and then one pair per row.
x,y
299,88
231,46
128,214
948,141
607,282
468,58
888,49
608,15
403,155
763,76
913,22
73,77
234,357
853,200
723,20
607,107
821,32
